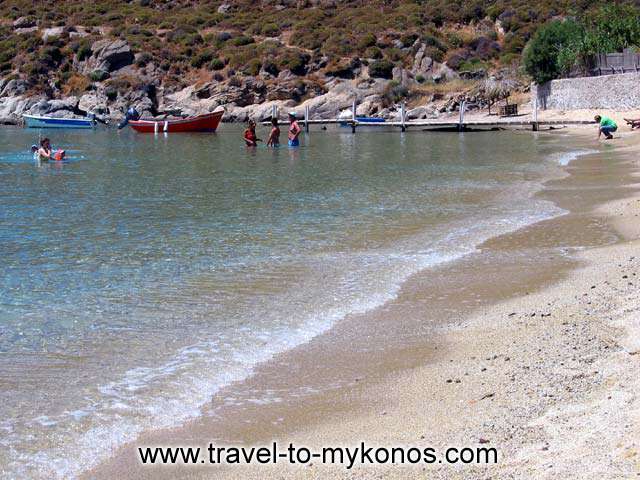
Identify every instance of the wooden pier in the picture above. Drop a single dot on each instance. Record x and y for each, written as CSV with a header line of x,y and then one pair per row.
x,y
450,125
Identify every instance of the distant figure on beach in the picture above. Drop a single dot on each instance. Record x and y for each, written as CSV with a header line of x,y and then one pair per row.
x,y
294,130
250,137
607,126
274,136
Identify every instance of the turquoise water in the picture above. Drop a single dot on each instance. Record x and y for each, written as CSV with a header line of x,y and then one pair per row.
x,y
146,272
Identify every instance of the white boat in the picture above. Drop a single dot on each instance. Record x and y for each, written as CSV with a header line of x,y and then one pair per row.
x,y
35,121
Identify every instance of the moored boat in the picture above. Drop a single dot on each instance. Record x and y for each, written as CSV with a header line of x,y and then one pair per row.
x,y
347,118
201,123
36,121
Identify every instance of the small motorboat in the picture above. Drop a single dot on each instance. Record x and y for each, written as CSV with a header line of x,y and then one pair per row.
x,y
35,121
346,117
201,123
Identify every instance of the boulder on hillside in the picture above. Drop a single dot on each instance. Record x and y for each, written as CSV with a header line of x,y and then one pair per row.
x,y
24,22
109,55
94,102
345,68
69,103
441,73
425,67
402,76
14,88
485,48
12,108
52,32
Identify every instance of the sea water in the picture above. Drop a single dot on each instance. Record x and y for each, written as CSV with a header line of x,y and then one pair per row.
x,y
149,271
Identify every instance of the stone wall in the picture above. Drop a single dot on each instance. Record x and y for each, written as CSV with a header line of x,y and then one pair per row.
x,y
616,92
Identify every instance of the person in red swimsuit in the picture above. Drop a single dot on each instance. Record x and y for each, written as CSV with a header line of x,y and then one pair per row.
x,y
250,137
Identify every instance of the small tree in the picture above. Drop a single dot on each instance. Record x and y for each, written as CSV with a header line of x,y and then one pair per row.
x,y
541,54
611,29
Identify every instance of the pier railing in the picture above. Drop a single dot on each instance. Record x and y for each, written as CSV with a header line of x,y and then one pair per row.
x,y
461,124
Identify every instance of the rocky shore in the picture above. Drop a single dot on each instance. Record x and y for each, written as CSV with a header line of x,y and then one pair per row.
x,y
120,78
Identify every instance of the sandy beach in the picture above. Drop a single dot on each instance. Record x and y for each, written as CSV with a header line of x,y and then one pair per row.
x,y
537,359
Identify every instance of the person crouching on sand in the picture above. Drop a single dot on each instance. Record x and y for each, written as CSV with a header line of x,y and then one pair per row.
x,y
250,137
606,126
274,136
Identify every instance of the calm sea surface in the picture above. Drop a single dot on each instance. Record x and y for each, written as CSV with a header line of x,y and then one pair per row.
x,y
145,273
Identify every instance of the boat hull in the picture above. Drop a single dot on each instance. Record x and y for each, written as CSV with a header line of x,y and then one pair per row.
x,y
347,121
33,121
202,123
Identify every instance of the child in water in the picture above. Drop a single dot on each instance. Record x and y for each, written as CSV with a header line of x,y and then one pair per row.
x,y
46,153
250,137
274,136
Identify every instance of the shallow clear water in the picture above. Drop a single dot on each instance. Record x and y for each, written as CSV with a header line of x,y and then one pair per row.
x,y
147,272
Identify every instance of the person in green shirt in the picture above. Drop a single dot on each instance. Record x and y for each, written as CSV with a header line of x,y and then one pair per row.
x,y
607,126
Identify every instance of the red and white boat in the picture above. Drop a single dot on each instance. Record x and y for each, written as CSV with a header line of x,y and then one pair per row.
x,y
201,123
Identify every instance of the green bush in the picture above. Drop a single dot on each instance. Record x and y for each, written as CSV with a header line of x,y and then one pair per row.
x,y
270,67
373,52
408,39
242,41
111,93
368,40
216,64
295,61
473,65
98,75
381,69
270,30
394,92
202,58
541,54
253,67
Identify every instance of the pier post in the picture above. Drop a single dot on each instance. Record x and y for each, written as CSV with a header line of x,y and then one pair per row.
x,y
354,105
461,120
535,114
306,118
402,117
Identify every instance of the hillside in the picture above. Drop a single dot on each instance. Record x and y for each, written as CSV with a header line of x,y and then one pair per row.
x,y
175,57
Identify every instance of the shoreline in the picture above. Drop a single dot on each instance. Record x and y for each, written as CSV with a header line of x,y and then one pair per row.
x,y
362,389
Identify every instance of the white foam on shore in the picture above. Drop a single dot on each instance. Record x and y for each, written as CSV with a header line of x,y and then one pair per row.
x,y
565,158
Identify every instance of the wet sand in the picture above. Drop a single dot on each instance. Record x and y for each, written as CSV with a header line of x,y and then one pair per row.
x,y
524,346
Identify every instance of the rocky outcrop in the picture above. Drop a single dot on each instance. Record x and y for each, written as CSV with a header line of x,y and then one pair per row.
x,y
24,22
12,108
108,56
425,68
13,88
52,32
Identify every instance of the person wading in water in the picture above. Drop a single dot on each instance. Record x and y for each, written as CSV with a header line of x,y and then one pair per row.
x,y
294,130
274,136
250,137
